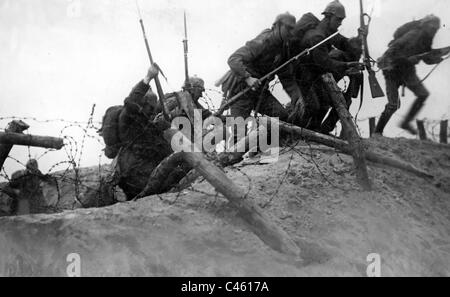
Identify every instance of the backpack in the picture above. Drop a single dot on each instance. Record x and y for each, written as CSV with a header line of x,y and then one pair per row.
x,y
110,131
307,22
406,28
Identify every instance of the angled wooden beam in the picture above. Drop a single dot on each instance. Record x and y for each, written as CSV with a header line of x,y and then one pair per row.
x,y
348,125
10,138
261,224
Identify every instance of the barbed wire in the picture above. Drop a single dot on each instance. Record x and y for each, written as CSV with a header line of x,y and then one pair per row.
x,y
74,153
44,121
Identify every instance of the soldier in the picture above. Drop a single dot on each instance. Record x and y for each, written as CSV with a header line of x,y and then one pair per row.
x,y
142,144
27,191
399,62
252,61
195,87
249,63
307,86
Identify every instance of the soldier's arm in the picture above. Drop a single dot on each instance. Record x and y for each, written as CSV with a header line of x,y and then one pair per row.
x,y
136,94
352,47
139,91
244,55
321,57
432,59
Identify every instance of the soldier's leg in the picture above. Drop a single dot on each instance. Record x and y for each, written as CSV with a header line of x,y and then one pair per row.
x,y
298,104
273,108
392,85
333,117
270,106
319,104
243,109
413,83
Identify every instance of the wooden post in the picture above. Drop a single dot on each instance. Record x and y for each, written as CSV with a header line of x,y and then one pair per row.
x,y
344,147
257,220
421,128
443,136
160,175
5,149
351,132
31,140
372,124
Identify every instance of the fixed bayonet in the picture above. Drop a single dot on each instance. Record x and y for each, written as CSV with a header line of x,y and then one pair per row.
x,y
375,87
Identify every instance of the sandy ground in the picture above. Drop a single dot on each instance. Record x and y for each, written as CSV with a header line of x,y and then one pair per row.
x,y
310,192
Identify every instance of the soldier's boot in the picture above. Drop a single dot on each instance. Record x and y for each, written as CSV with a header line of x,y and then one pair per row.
x,y
414,110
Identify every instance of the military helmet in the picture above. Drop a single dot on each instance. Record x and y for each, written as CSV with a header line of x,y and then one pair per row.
x,y
32,164
335,8
194,81
285,19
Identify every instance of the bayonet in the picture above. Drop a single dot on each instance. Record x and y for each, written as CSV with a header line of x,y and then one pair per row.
x,y
375,87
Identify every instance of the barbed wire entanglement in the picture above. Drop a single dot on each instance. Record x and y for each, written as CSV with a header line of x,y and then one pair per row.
x,y
68,179
62,169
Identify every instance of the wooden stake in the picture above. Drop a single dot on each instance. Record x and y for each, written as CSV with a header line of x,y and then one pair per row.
x,y
443,136
252,214
372,124
350,131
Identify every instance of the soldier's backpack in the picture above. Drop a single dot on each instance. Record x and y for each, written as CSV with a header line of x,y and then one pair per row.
x,y
405,29
110,131
307,22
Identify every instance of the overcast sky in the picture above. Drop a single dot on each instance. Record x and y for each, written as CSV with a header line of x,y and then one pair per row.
x,y
59,57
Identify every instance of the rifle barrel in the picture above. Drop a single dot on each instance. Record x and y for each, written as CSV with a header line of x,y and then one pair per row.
x,y
186,51
156,79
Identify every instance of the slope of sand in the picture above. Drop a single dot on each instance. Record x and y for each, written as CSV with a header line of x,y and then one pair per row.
x,y
310,192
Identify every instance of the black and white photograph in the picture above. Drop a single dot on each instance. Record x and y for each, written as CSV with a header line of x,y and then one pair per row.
x,y
224,143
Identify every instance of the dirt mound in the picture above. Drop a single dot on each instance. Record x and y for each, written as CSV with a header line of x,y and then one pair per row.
x,y
310,192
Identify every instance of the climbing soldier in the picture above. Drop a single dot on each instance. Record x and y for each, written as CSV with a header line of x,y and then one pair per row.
x,y
312,103
254,60
137,135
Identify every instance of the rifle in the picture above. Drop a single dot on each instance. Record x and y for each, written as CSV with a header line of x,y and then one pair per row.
x,y
238,96
157,82
375,88
185,45
388,64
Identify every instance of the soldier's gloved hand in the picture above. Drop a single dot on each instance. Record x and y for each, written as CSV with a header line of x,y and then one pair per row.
x,y
363,31
151,74
414,60
252,82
